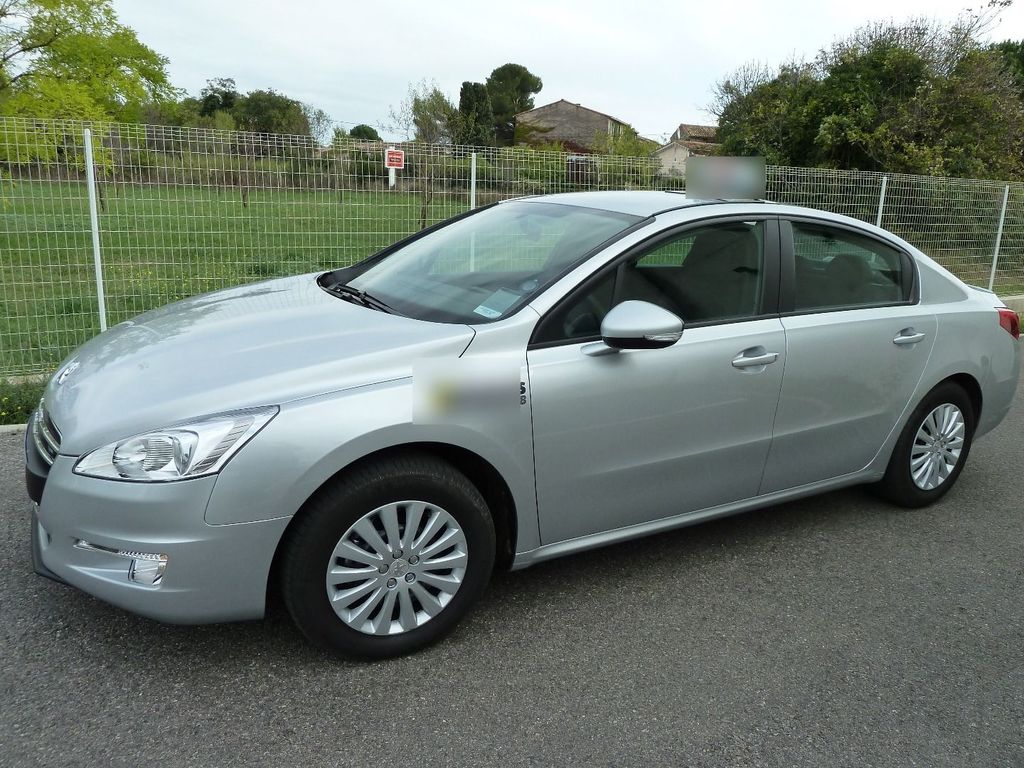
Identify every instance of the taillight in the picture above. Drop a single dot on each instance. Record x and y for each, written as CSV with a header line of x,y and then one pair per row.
x,y
1010,321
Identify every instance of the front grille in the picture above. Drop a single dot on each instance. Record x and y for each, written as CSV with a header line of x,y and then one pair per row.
x,y
45,435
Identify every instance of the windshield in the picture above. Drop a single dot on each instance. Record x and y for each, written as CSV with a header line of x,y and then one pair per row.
x,y
485,266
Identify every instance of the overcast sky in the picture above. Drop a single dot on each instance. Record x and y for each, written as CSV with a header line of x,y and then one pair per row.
x,y
651,64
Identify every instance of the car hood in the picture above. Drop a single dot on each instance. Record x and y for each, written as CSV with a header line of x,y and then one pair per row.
x,y
260,344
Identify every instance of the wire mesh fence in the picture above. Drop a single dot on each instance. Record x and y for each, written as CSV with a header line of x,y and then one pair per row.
x,y
955,221
181,211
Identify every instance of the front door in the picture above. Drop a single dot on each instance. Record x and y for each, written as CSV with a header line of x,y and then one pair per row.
x,y
640,435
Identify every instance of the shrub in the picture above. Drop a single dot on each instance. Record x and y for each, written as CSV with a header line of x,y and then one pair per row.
x,y
18,400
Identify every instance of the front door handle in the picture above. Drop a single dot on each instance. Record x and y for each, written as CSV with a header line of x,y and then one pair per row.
x,y
765,358
908,336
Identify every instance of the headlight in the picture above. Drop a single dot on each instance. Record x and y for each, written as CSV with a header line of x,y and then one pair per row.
x,y
182,451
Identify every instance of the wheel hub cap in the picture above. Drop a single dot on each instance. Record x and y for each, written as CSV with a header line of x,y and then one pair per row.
x,y
937,447
396,568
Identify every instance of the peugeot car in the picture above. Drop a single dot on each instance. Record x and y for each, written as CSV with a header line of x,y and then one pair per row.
x,y
534,378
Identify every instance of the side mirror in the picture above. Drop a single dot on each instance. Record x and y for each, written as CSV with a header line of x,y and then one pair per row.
x,y
636,325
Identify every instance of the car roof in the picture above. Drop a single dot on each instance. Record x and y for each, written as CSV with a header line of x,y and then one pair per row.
x,y
647,203
634,203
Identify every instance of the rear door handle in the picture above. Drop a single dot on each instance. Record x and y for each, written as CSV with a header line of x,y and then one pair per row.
x,y
765,358
908,336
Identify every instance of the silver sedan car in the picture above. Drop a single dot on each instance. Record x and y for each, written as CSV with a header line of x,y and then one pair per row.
x,y
535,378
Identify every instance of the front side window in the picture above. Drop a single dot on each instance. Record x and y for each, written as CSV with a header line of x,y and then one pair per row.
x,y
707,274
837,269
486,266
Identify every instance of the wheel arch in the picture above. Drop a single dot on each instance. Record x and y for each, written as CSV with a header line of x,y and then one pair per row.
x,y
478,470
971,386
966,381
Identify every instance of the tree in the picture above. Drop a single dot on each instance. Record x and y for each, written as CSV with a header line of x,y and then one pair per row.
x,y
219,94
73,59
476,119
435,118
511,88
271,112
764,114
1012,53
364,132
915,98
425,114
977,120
319,122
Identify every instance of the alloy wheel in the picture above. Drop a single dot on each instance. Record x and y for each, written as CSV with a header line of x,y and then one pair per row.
x,y
937,446
396,568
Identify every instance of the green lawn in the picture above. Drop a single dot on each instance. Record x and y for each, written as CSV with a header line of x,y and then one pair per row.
x,y
160,244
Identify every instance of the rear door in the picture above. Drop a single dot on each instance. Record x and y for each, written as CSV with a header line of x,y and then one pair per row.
x,y
857,342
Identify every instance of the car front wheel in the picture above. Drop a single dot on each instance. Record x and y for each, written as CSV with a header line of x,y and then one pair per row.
x,y
932,449
388,558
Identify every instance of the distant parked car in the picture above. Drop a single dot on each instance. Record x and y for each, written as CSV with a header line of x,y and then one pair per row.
x,y
539,377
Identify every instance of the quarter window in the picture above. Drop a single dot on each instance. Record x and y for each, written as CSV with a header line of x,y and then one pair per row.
x,y
838,269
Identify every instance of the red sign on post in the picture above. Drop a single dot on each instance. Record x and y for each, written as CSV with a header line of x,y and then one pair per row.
x,y
394,158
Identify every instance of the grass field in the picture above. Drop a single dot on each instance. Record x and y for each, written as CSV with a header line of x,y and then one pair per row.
x,y
160,244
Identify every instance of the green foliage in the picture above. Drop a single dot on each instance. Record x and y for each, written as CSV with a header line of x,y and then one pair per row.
x,y
476,119
221,106
365,133
271,112
319,123
766,115
511,88
221,121
912,98
625,143
219,94
426,114
17,401
73,59
435,118
365,166
533,135
1012,53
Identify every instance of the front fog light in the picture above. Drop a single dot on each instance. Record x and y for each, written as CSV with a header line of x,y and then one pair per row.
x,y
147,569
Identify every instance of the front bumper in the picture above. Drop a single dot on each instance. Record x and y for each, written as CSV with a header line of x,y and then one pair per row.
x,y
39,536
213,573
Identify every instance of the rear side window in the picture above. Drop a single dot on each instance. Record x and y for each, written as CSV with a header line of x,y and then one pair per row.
x,y
838,269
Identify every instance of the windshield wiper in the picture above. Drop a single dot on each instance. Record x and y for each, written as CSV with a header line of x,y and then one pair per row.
x,y
360,297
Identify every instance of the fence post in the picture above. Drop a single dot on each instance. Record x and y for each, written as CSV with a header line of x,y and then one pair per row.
x,y
999,238
472,181
881,201
94,223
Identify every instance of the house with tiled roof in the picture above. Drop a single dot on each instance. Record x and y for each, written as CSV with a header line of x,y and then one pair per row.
x,y
571,125
688,139
700,133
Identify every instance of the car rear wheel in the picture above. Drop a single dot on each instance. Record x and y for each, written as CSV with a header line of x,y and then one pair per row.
x,y
388,558
932,449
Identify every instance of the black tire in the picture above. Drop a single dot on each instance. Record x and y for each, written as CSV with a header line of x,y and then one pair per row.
x,y
898,485
330,514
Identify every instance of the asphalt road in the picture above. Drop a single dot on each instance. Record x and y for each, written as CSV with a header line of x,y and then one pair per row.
x,y
828,632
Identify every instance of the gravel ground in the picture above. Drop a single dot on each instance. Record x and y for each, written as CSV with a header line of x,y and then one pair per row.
x,y
831,631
